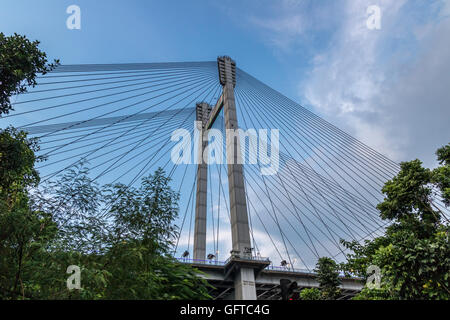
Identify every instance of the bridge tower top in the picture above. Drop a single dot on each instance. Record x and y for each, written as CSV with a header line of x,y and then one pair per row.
x,y
227,70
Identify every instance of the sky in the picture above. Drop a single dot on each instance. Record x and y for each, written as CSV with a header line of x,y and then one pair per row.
x,y
388,87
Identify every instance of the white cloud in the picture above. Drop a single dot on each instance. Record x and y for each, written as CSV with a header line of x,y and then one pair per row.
x,y
385,87
371,84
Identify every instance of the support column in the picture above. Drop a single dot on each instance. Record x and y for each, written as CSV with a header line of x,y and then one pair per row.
x,y
244,279
202,112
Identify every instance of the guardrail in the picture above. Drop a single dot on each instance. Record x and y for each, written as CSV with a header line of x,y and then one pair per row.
x,y
269,267
197,261
247,257
279,268
223,263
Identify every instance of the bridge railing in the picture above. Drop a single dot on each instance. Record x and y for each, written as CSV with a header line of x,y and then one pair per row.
x,y
223,263
248,257
269,267
197,261
279,268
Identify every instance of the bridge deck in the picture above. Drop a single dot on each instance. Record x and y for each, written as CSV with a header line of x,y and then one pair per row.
x,y
267,281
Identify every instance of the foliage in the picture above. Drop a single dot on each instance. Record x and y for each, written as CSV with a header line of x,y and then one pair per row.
x,y
414,253
122,240
23,231
408,196
360,256
310,294
145,214
441,175
141,239
328,276
17,158
374,294
20,62
123,249
74,201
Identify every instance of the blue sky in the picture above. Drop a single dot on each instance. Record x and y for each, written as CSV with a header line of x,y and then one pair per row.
x,y
320,53
142,31
387,87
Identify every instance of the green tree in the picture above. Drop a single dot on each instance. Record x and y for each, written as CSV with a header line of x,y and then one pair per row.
x,y
441,175
20,62
23,231
17,159
310,294
328,276
142,239
414,253
122,240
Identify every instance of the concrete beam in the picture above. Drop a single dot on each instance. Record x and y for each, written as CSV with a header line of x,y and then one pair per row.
x,y
214,113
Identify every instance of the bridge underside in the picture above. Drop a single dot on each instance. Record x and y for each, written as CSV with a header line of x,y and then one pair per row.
x,y
267,282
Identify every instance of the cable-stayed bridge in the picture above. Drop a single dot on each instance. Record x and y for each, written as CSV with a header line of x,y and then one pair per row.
x,y
244,228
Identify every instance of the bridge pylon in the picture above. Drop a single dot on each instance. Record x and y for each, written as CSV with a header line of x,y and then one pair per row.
x,y
202,113
241,266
